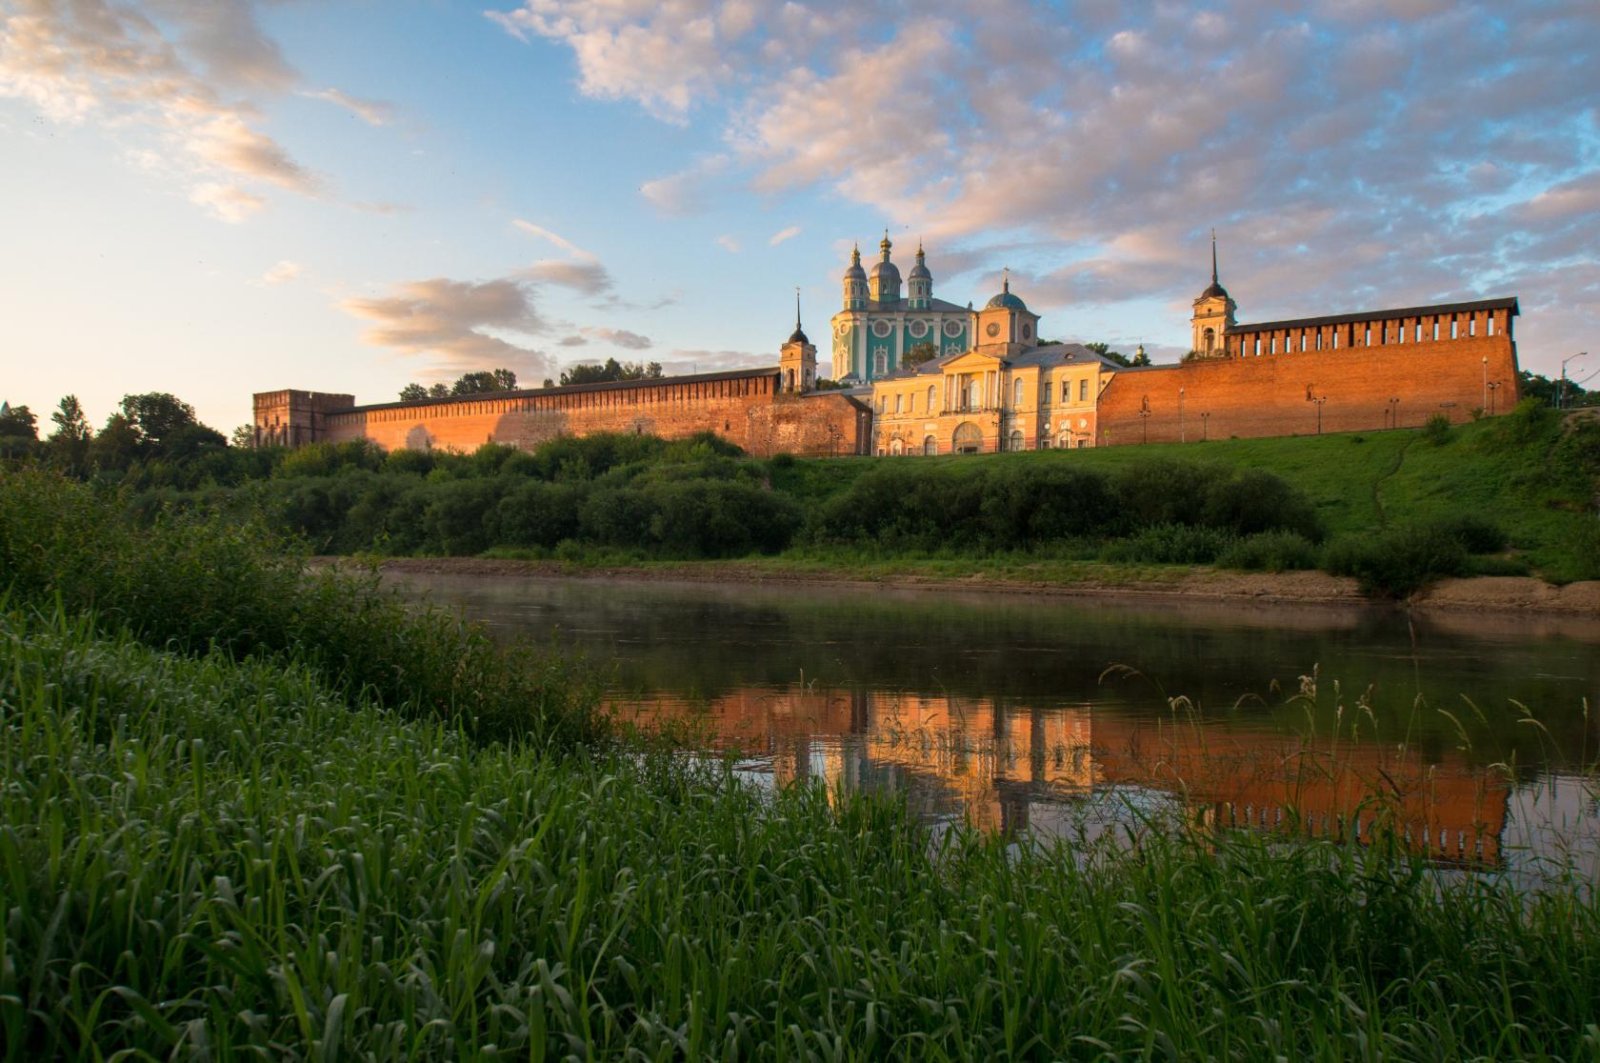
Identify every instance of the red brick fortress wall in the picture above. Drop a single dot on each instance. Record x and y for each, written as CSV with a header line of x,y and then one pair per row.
x,y
1350,386
744,407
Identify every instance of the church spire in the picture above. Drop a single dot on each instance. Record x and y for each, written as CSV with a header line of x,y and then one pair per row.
x,y
1214,257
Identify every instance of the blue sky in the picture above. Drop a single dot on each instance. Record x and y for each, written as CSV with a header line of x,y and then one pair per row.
x,y
216,197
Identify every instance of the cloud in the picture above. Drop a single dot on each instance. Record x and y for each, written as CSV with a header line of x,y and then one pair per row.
x,y
586,278
705,361
784,234
553,237
618,338
179,74
228,203
456,323
572,341
728,244
1350,152
282,273
372,112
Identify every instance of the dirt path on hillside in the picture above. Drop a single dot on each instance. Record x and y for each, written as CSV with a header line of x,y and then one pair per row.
x,y
1492,594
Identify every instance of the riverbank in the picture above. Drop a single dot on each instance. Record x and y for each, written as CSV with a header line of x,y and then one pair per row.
x,y
1494,594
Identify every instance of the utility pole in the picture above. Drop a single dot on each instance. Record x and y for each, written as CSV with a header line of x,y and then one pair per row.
x,y
1561,396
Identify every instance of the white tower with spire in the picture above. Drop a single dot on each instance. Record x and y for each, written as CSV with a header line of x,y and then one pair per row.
x,y
1213,315
797,359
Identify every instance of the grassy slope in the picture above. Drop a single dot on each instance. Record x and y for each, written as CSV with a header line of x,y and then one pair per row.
x,y
1359,482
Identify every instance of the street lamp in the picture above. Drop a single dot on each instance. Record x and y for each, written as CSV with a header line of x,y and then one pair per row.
x,y
1205,425
1494,388
1394,413
1182,436
1485,405
1319,400
1561,396
1144,418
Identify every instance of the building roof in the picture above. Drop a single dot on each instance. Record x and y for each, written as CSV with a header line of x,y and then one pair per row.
x,y
1508,302
1048,355
576,389
895,305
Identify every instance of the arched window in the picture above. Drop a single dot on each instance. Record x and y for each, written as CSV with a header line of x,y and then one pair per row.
x,y
896,447
930,445
968,439
880,362
897,404
1015,443
1210,340
788,380
931,401
1016,395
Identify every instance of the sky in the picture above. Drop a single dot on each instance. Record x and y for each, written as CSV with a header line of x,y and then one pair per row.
x,y
219,197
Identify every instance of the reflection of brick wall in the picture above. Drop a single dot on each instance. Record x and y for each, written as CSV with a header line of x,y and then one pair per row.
x,y
742,407
1266,395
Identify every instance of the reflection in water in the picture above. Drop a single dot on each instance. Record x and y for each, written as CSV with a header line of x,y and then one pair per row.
x,y
1019,714
996,764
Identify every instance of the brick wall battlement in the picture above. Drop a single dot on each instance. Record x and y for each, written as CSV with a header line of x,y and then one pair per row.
x,y
1402,327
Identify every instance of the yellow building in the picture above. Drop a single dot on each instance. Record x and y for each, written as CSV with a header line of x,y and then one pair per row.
x,y
1006,393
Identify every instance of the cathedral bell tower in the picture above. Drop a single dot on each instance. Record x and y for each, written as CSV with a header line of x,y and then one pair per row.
x,y
797,359
1213,315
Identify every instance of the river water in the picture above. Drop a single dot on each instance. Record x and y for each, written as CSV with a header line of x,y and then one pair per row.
x,y
1055,715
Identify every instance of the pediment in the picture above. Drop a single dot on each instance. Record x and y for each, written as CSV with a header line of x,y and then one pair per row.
x,y
972,362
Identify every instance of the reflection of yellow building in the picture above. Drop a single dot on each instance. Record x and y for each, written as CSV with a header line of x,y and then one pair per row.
x,y
992,762
1007,393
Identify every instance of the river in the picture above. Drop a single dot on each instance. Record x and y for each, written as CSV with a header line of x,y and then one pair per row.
x,y
1475,733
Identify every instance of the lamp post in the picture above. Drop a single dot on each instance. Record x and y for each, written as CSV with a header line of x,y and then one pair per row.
x,y
1494,389
1182,435
1205,426
1394,413
1485,405
1561,396
1319,400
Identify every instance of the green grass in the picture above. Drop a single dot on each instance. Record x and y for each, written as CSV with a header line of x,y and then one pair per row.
x,y
210,857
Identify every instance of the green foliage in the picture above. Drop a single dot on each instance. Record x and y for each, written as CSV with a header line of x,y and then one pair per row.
x,y
1398,561
610,372
191,584
1436,430
1170,544
918,353
1271,551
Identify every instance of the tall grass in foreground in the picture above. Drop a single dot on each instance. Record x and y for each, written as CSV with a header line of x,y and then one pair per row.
x,y
191,583
209,857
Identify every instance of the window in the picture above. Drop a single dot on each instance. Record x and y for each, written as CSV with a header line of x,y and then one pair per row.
x,y
880,362
1066,391
897,404
880,404
1083,390
930,400
1015,442
930,445
1016,397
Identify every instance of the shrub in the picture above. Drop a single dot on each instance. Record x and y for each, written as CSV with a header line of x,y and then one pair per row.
x,y
1253,500
1437,430
540,514
1170,544
1272,551
1476,534
1164,491
1398,561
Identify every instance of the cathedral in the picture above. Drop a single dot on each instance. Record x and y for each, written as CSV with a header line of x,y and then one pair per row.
x,y
876,327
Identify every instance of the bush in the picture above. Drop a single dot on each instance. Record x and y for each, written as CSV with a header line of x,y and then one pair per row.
x,y
1164,491
1273,551
1253,500
540,514
1437,430
191,584
1399,561
1475,534
1170,544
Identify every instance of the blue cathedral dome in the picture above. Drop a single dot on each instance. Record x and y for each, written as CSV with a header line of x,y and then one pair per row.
x,y
1005,300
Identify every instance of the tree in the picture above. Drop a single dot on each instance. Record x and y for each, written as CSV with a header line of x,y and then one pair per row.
x,y
439,391
244,436
481,383
1140,358
19,431
919,353
610,372
159,426
1104,350
413,393
69,443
